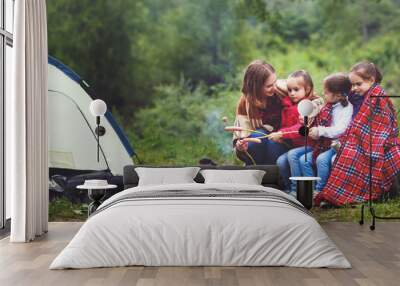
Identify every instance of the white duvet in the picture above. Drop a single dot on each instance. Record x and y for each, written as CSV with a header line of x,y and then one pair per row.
x,y
200,231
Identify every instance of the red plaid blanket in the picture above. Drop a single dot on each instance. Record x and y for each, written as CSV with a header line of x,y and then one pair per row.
x,y
349,178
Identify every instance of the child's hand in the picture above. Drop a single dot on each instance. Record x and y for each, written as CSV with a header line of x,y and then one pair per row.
x,y
275,136
301,120
313,133
242,145
336,145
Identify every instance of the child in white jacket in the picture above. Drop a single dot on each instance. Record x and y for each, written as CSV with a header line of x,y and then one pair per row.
x,y
331,123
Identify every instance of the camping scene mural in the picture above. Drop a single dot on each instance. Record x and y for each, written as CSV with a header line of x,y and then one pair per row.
x,y
72,136
309,86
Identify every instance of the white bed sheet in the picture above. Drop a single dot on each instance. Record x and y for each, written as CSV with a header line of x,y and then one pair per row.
x,y
202,232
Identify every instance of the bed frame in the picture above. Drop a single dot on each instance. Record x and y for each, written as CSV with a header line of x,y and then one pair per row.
x,y
270,179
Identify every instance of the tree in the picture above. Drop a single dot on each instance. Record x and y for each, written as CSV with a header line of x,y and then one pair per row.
x,y
95,41
349,20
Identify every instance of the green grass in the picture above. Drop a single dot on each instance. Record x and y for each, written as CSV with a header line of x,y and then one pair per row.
x,y
352,213
63,210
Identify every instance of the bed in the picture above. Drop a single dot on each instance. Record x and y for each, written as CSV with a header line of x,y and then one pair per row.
x,y
200,224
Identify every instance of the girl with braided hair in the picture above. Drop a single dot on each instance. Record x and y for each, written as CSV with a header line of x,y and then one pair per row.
x,y
331,122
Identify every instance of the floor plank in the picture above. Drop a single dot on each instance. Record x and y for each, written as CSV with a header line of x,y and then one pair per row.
x,y
375,257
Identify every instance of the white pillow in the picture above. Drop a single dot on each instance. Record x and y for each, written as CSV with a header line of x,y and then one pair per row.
x,y
249,177
162,176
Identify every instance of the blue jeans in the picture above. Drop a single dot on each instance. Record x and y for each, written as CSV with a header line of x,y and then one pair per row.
x,y
289,166
284,171
323,167
264,153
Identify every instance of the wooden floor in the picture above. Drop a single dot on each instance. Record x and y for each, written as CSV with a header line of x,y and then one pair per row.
x,y
375,257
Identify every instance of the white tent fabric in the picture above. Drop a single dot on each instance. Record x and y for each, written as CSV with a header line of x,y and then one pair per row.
x,y
72,141
26,124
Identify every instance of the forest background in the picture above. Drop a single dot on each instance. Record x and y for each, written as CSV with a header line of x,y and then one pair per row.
x,y
170,70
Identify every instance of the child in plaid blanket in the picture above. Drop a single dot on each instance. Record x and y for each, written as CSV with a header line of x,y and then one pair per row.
x,y
375,125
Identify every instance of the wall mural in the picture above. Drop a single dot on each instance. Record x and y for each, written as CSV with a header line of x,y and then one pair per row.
x,y
302,85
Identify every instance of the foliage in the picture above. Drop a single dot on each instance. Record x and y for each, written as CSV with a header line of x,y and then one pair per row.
x,y
95,41
127,48
357,20
63,210
184,125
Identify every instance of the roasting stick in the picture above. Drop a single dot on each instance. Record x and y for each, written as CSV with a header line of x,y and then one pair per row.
x,y
253,139
238,128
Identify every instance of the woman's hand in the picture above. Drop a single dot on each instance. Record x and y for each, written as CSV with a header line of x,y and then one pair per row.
x,y
242,145
275,136
313,133
268,127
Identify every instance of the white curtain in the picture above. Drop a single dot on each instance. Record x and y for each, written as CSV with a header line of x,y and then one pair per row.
x,y
26,124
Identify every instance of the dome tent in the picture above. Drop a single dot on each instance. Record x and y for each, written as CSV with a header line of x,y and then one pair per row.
x,y
71,130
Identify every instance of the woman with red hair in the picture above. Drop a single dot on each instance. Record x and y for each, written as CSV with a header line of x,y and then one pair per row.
x,y
259,109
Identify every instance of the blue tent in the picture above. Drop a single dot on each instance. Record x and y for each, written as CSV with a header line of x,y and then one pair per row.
x,y
72,139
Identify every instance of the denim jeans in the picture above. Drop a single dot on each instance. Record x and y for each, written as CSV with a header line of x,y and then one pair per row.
x,y
284,171
323,164
289,166
264,153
